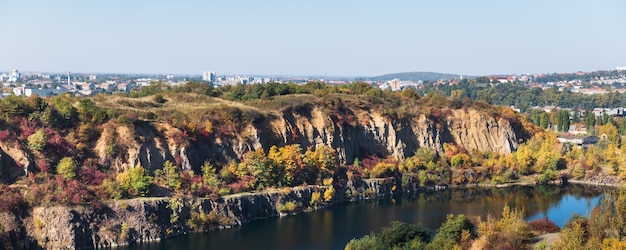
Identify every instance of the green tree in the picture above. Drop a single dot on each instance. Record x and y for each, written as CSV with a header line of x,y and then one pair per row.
x,y
172,176
209,176
135,181
37,141
89,112
450,233
563,121
401,233
67,168
590,121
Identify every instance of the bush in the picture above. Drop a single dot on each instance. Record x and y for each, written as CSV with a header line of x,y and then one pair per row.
x,y
316,199
451,232
136,181
509,232
37,140
547,176
289,207
401,233
67,168
543,226
329,193
204,222
366,243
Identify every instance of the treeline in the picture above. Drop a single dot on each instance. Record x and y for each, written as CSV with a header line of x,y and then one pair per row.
x,y
524,98
585,77
605,228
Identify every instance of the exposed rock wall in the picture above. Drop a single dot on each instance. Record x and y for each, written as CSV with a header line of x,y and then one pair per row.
x,y
371,134
142,220
150,144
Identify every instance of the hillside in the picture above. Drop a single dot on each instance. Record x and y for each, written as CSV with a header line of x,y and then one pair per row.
x,y
191,129
418,76
195,143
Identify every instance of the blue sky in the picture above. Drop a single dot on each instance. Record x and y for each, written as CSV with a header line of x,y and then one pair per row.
x,y
323,37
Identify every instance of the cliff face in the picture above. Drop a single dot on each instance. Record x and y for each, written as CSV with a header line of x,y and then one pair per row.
x,y
125,222
370,134
150,144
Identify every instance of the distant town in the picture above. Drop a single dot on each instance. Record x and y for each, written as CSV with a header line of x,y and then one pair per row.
x,y
81,84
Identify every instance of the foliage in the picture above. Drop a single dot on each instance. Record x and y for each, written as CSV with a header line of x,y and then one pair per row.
x,y
400,234
509,232
289,206
172,179
209,177
175,205
329,194
37,141
543,226
135,181
201,222
316,199
89,112
67,168
451,232
367,242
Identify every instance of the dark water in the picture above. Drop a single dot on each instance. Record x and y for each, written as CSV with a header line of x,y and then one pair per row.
x,y
332,228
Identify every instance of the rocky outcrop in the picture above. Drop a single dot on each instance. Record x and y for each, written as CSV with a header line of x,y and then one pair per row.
x,y
151,144
600,179
151,219
14,162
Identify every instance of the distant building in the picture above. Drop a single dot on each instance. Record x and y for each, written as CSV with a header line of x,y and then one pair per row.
x,y
581,142
395,84
610,112
42,92
209,76
621,68
14,76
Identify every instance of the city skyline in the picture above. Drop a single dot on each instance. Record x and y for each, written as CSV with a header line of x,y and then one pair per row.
x,y
348,38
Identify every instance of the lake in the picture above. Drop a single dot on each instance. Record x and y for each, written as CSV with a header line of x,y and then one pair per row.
x,y
333,227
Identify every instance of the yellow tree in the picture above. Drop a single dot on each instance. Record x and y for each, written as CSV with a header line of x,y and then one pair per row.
x,y
612,135
525,159
290,158
323,159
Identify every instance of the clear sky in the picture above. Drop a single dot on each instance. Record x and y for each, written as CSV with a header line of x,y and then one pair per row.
x,y
322,37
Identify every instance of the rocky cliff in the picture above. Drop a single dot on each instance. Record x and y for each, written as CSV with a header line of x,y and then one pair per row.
x,y
151,143
125,222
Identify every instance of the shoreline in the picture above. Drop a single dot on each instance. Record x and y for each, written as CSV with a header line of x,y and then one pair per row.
x,y
153,219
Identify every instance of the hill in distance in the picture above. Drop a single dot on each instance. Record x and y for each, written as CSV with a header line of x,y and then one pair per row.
x,y
417,76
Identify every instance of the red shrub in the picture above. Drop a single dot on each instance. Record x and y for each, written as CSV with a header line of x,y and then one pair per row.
x,y
226,130
56,144
27,127
91,175
10,200
544,226
42,165
6,135
370,162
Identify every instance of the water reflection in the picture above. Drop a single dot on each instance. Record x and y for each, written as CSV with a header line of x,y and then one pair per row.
x,y
333,227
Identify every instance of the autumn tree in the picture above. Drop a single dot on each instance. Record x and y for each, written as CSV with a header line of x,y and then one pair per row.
x,y
67,168
291,159
37,140
209,176
323,159
135,181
